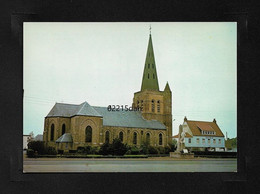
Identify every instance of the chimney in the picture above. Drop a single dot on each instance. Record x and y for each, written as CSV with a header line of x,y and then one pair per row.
x,y
214,121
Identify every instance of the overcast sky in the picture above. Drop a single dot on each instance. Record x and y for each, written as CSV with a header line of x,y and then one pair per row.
x,y
102,63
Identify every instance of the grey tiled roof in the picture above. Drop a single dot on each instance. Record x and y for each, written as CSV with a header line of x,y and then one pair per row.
x,y
65,138
127,119
69,110
120,118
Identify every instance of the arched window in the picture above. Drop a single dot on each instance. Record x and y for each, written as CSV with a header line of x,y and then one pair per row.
x,y
152,105
63,129
88,134
153,76
121,136
135,138
148,138
148,65
160,139
52,132
148,75
107,137
158,106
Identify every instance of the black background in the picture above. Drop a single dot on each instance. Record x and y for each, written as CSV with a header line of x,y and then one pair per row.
x,y
12,16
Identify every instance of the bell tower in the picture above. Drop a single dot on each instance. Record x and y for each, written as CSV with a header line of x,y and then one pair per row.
x,y
155,104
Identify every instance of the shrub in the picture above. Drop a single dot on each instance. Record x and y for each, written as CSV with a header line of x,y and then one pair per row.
x,y
106,149
118,147
51,151
135,150
37,146
30,153
81,150
94,150
161,150
60,151
195,149
173,145
152,150
144,149
86,149
128,152
167,149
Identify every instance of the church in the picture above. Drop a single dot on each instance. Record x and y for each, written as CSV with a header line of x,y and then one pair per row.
x,y
69,126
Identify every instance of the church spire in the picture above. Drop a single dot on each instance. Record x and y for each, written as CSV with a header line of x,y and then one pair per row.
x,y
150,80
167,88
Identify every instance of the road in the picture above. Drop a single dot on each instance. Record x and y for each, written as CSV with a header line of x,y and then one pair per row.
x,y
129,165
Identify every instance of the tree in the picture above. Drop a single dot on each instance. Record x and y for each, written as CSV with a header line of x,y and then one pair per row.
x,y
106,149
118,147
37,146
231,143
144,148
173,145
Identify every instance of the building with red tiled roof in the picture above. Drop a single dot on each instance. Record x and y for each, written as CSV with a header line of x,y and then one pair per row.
x,y
202,135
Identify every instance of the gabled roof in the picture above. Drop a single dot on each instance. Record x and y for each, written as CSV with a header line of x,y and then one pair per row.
x,y
65,138
197,126
69,110
87,110
120,118
204,126
63,110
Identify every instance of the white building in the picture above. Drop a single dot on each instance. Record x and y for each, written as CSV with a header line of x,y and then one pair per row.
x,y
26,139
202,135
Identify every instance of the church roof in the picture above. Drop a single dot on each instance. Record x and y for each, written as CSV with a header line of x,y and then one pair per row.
x,y
69,110
120,118
65,138
150,80
127,119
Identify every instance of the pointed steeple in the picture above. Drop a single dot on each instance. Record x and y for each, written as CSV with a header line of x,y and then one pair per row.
x,y
167,87
150,80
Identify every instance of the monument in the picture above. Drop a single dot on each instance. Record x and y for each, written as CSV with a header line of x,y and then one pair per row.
x,y
181,152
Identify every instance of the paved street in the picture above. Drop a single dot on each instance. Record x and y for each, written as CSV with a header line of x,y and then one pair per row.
x,y
129,165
